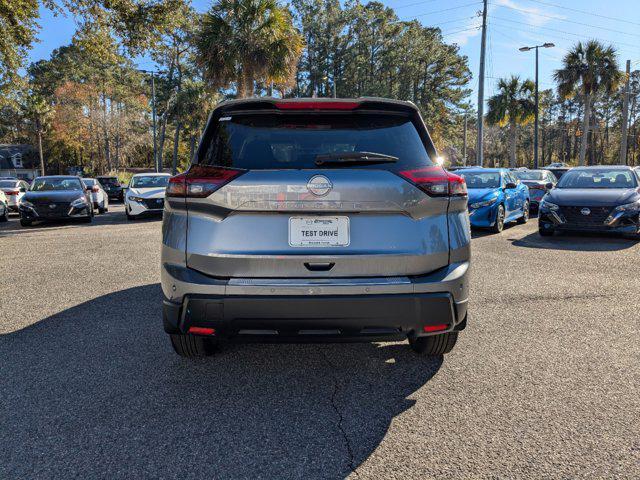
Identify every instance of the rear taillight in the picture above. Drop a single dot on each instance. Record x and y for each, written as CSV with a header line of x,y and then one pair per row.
x,y
202,331
435,328
436,181
200,181
12,192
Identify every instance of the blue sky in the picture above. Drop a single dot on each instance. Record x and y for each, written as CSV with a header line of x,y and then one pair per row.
x,y
512,24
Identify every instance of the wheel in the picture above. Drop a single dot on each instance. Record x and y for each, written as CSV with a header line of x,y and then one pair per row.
x,y
192,346
545,232
499,225
88,219
102,210
5,215
25,222
525,214
434,344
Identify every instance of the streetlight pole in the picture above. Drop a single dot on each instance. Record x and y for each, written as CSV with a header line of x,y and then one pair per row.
x,y
483,47
156,164
536,122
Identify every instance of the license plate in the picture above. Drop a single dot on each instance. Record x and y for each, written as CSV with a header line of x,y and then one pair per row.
x,y
319,231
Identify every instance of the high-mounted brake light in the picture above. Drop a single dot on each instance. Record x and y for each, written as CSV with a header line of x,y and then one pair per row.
x,y
200,181
436,181
317,105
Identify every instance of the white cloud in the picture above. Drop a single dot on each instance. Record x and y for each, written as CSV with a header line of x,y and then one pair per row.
x,y
534,16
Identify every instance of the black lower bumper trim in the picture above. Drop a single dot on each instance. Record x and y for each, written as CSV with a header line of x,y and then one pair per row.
x,y
314,318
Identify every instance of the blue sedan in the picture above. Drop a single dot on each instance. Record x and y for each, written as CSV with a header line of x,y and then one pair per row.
x,y
496,197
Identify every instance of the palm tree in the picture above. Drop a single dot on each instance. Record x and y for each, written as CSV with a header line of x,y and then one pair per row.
x,y
244,41
513,105
589,68
39,112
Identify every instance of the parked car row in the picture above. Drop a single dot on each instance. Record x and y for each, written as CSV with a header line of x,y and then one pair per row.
x,y
593,198
144,197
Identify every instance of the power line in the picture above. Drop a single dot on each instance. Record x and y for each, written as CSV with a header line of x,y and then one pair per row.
x,y
560,19
446,9
439,23
459,31
413,4
563,31
584,12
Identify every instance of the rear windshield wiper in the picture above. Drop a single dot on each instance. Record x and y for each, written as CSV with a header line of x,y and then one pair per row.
x,y
345,158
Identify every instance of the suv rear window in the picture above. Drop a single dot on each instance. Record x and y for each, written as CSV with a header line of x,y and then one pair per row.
x,y
293,141
108,180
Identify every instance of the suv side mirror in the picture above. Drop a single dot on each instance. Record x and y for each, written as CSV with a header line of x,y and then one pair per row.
x,y
22,189
510,185
549,186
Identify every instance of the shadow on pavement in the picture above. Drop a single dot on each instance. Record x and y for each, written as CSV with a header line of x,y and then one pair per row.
x,y
95,391
485,232
579,242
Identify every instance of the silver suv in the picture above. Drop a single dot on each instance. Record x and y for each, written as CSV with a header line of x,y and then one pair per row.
x,y
315,220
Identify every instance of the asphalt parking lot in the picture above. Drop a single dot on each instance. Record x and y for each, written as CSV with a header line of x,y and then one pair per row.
x,y
544,382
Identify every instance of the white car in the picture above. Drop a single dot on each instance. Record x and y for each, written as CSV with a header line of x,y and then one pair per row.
x,y
145,194
14,189
4,207
98,195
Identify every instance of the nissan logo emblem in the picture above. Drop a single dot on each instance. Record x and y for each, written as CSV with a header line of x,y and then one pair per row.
x,y
52,206
585,211
319,185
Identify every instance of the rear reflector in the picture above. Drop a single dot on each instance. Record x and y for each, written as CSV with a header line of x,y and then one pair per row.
x,y
202,331
317,105
436,181
435,328
12,192
200,181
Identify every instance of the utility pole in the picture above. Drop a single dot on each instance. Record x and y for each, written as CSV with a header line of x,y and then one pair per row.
x,y
464,141
625,115
483,46
536,121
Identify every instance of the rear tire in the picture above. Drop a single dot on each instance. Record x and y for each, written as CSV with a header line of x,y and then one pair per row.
x,y
25,223
434,344
499,225
525,214
192,346
5,215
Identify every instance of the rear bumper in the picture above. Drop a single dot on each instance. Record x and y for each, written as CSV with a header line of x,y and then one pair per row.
x,y
315,310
